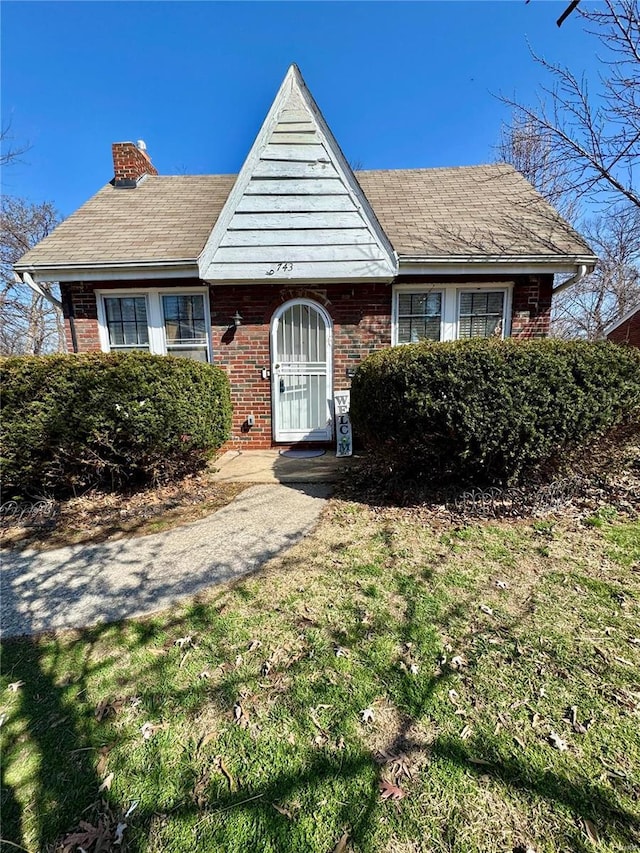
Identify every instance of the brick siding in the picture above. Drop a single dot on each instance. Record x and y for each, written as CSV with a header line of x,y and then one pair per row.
x,y
361,316
628,332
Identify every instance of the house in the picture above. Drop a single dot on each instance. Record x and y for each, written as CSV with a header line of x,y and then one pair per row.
x,y
626,330
291,272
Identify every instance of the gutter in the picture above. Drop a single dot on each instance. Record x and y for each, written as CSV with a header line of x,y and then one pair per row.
x,y
508,264
580,273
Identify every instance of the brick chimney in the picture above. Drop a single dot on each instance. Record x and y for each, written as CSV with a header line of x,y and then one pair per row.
x,y
130,163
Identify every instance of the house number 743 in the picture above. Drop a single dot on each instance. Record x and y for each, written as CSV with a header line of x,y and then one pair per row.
x,y
285,266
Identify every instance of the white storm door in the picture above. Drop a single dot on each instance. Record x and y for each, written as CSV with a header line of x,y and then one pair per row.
x,y
301,372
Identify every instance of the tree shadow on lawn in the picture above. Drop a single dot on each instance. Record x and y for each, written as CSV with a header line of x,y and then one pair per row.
x,y
62,726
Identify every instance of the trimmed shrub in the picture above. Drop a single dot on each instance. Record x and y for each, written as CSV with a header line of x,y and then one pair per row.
x,y
488,411
75,421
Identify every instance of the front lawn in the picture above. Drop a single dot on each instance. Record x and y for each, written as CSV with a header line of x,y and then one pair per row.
x,y
393,683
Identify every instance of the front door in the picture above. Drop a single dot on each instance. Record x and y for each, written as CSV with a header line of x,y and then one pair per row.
x,y
301,372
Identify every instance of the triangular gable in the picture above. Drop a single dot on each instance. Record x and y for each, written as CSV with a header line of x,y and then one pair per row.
x,y
296,210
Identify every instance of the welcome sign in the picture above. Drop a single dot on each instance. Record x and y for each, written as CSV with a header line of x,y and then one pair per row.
x,y
344,436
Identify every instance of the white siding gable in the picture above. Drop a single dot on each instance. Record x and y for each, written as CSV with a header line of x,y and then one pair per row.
x,y
296,211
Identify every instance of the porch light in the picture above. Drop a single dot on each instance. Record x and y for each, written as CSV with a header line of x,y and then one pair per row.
x,y
237,319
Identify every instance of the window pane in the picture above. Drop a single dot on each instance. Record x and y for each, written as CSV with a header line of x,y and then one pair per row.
x,y
127,322
419,317
196,353
481,314
185,325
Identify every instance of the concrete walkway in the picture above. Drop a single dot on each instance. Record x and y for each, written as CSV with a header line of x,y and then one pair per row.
x,y
269,466
83,585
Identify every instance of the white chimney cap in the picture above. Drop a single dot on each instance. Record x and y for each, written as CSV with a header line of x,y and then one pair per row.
x,y
141,145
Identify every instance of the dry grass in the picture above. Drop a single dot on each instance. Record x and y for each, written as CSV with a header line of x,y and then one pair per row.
x,y
98,516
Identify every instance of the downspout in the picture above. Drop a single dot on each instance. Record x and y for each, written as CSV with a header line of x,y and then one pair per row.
x,y
67,301
580,273
28,280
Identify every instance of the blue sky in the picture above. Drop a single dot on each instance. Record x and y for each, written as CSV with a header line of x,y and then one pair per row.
x,y
400,84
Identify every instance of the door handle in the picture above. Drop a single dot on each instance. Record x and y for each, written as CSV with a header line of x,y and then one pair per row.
x,y
282,386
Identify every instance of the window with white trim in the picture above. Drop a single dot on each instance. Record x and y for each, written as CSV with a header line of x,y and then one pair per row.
x,y
419,317
163,321
447,312
127,324
185,326
481,314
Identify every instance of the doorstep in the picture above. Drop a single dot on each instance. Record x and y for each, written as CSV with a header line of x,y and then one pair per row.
x,y
268,466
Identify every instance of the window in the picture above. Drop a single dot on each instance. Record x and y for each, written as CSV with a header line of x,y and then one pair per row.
x,y
419,317
127,323
164,321
481,314
185,326
446,312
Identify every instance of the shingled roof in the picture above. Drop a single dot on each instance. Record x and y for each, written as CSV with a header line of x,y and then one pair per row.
x,y
443,212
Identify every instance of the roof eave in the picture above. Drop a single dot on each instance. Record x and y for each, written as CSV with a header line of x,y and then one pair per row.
x,y
505,264
621,320
112,270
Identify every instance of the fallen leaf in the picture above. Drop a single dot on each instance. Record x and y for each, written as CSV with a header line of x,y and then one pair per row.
x,y
205,739
134,805
458,662
253,645
149,729
15,686
282,810
388,791
502,585
575,724
367,715
341,846
118,837
557,742
221,766
204,674
341,652
103,754
591,831
635,641
466,733
87,835
486,610
453,696
535,719
414,669
181,642
106,783
519,741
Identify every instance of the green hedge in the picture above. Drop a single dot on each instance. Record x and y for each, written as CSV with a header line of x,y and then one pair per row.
x,y
70,422
486,411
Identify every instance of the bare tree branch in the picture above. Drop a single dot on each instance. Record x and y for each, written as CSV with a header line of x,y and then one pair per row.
x,y
28,322
594,139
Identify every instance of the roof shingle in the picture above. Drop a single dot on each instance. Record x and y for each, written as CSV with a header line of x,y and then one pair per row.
x,y
468,210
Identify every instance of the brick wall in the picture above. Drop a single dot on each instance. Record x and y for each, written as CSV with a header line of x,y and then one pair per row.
x,y
361,324
628,332
531,309
80,299
361,315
